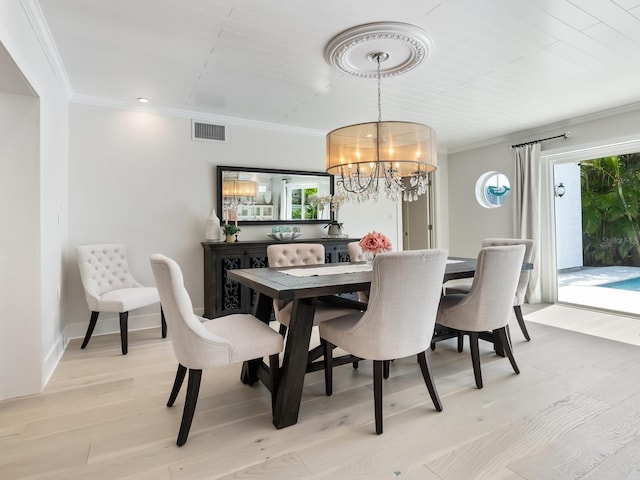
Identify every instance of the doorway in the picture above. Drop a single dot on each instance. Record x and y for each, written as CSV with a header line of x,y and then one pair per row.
x,y
597,218
417,221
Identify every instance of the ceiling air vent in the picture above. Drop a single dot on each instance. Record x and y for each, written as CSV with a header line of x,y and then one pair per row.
x,y
206,131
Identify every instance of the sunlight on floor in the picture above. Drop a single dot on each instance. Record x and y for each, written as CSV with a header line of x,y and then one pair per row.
x,y
591,322
626,302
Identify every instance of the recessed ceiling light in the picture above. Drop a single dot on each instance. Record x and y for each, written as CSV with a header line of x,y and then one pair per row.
x,y
143,100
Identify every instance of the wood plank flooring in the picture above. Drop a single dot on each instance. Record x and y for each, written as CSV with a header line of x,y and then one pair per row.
x,y
573,413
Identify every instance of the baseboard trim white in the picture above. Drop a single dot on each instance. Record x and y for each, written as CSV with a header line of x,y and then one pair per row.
x,y
52,358
109,323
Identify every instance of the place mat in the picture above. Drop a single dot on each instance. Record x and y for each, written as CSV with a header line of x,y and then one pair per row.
x,y
454,261
328,270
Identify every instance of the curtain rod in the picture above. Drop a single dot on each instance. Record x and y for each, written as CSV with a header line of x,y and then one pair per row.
x,y
564,135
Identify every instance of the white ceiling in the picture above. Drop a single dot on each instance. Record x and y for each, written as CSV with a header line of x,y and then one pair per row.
x,y
497,67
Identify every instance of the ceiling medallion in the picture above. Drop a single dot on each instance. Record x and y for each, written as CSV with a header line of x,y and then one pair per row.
x,y
407,45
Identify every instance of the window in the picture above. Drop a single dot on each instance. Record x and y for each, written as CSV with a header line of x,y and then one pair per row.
x,y
492,189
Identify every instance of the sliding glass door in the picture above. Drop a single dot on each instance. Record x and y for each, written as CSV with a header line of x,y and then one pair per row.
x,y
597,215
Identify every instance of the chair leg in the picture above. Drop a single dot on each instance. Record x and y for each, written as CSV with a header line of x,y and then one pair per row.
x,y
475,357
327,350
423,360
92,324
460,341
163,323
523,326
283,330
274,375
377,393
506,342
177,383
356,365
385,369
193,387
124,317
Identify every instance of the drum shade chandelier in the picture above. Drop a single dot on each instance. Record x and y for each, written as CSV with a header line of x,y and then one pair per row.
x,y
238,192
397,154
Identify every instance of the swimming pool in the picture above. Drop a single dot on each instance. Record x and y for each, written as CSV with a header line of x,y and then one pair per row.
x,y
632,284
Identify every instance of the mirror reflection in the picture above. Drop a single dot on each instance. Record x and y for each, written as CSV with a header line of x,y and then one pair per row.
x,y
254,195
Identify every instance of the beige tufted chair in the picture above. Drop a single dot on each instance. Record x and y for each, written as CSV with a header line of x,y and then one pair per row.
x,y
357,255
487,306
464,285
282,255
399,320
295,254
110,287
355,252
199,343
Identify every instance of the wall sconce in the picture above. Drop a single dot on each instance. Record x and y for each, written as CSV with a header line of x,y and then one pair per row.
x,y
560,190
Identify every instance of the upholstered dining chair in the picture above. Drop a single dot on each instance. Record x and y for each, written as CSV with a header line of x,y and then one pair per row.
x,y
357,255
297,254
487,306
110,287
199,343
464,285
355,252
399,320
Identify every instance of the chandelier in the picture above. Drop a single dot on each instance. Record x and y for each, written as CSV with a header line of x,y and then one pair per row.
x,y
236,193
397,155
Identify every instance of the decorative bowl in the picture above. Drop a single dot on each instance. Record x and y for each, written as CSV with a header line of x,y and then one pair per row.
x,y
282,236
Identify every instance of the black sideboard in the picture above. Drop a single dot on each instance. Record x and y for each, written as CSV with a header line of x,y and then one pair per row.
x,y
223,296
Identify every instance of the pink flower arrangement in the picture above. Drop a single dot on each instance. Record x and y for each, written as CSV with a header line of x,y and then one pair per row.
x,y
375,242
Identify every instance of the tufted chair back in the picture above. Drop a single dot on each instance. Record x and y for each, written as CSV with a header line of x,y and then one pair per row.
x,y
299,254
355,252
295,254
103,268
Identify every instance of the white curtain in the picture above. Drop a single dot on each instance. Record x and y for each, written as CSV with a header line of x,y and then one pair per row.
x,y
528,224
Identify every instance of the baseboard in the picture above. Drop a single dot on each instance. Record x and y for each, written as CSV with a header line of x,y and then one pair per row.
x,y
52,358
109,323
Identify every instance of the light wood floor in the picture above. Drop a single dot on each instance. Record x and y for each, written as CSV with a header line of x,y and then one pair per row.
x,y
573,412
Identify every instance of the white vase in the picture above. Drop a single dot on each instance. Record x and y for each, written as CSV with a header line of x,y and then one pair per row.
x,y
335,230
212,227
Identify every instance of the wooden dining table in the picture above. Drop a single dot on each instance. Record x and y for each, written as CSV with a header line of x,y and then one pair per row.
x,y
305,286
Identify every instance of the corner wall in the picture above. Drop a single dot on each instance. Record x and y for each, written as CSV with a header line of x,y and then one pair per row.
x,y
38,202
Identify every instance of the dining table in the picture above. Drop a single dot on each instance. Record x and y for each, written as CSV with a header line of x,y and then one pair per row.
x,y
305,286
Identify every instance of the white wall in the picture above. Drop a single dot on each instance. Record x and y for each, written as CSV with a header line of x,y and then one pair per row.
x,y
38,196
19,210
568,213
137,178
469,222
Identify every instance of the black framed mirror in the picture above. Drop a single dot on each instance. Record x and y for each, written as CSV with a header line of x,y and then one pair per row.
x,y
269,196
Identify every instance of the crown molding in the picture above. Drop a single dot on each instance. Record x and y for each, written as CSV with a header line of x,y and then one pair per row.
x,y
195,115
41,29
523,135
